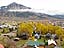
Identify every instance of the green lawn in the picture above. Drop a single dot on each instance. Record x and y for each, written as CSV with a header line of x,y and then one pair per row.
x,y
21,43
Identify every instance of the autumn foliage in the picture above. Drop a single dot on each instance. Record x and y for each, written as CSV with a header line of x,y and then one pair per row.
x,y
29,27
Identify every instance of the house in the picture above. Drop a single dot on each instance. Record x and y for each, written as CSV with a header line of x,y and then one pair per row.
x,y
3,26
11,34
54,36
37,36
51,43
12,27
16,39
48,35
35,44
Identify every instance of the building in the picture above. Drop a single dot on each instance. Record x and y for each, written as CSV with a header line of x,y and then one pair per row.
x,y
51,43
35,44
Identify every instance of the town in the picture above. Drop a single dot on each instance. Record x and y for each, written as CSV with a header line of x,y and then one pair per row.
x,y
31,23
32,34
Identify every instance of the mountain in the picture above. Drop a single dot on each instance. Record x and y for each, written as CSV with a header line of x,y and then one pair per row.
x,y
25,12
14,6
59,16
4,11
17,6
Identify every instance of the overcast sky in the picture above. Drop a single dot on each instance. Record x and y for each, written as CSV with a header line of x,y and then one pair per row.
x,y
52,6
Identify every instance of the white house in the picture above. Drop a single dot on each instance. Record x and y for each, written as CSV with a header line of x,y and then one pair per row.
x,y
51,41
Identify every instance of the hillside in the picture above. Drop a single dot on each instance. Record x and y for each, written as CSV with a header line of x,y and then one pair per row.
x,y
25,12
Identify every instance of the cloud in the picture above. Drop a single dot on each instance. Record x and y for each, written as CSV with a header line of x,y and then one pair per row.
x,y
50,6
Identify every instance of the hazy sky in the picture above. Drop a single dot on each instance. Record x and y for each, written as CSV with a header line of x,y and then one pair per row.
x,y
56,6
